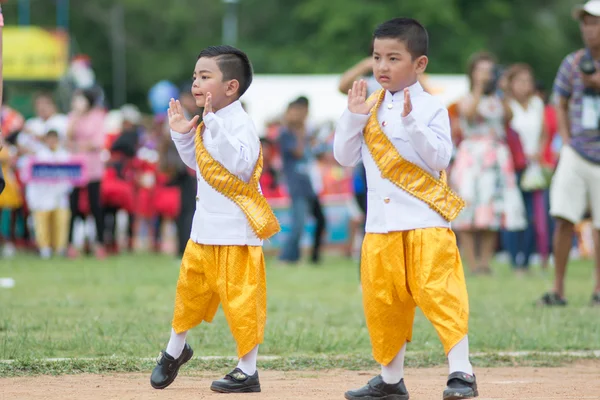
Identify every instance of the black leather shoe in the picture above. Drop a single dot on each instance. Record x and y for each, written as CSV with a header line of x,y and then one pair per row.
x,y
237,382
378,389
460,386
167,367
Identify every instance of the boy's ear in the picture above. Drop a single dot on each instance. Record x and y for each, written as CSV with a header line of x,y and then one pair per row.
x,y
232,87
421,64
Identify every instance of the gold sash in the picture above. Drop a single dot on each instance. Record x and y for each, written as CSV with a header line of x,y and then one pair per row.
x,y
407,176
246,195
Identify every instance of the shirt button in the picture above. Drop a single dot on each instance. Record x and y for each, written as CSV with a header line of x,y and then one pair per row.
x,y
390,106
196,198
386,200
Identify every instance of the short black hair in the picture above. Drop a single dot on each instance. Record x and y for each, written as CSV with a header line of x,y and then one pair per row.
x,y
301,101
52,133
233,63
90,96
407,30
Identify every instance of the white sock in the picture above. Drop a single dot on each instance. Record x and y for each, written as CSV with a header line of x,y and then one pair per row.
x,y
458,357
176,344
248,362
46,253
394,371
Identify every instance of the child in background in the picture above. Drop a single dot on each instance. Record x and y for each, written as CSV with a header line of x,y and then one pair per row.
x,y
49,202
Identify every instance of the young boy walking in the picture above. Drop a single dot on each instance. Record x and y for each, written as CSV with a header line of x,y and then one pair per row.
x,y
409,254
223,261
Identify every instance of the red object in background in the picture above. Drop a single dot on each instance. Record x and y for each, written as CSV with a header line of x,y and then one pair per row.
x,y
516,149
549,158
266,185
116,192
167,201
145,173
83,201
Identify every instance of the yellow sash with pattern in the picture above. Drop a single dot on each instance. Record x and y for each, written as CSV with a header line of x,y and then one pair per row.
x,y
409,177
246,195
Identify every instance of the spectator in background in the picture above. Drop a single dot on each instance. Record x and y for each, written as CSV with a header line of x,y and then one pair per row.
x,y
552,145
357,207
362,69
11,201
49,202
46,118
182,178
118,183
269,180
483,172
296,153
528,122
85,136
576,182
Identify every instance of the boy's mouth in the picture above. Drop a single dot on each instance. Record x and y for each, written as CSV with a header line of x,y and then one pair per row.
x,y
198,95
384,78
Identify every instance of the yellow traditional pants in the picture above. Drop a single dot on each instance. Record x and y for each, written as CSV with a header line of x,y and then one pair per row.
x,y
231,275
402,270
52,228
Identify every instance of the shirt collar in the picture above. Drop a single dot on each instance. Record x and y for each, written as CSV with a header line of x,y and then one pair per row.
x,y
414,89
233,108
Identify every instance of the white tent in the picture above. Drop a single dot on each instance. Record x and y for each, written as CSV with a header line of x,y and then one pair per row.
x,y
269,95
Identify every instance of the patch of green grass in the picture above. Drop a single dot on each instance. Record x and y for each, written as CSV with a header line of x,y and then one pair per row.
x,y
121,309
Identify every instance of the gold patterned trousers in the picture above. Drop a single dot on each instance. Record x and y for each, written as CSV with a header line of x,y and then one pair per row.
x,y
233,276
402,270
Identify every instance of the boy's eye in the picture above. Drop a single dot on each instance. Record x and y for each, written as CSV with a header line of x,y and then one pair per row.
x,y
204,77
393,59
376,57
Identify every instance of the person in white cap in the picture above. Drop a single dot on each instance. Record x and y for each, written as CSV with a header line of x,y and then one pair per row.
x,y
576,183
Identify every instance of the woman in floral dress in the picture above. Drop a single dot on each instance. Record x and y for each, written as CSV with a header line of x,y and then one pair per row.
x,y
483,172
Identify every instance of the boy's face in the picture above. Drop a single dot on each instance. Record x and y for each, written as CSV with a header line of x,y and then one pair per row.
x,y
393,65
209,78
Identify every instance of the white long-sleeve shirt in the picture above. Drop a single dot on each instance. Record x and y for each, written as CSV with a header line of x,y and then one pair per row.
x,y
423,137
231,139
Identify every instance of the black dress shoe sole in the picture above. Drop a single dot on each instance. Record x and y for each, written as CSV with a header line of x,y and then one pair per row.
x,y
245,389
388,397
456,395
168,382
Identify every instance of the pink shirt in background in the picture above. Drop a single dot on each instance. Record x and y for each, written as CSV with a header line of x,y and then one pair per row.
x,y
89,132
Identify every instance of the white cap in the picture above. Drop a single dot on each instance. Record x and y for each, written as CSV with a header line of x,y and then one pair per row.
x,y
131,114
592,7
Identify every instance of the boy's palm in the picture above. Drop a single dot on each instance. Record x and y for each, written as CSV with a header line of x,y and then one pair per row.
x,y
177,120
357,98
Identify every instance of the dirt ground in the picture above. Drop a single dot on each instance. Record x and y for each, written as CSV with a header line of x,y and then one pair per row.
x,y
579,381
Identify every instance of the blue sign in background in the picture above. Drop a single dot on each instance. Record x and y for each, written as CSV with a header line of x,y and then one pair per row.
x,y
336,215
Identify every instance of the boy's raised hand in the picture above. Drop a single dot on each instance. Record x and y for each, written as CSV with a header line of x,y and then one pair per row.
x,y
177,120
357,98
207,104
407,103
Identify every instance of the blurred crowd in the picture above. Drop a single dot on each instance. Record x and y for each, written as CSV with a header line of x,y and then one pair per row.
x,y
507,146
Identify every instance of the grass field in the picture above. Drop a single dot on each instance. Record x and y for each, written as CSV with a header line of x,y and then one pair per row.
x,y
122,307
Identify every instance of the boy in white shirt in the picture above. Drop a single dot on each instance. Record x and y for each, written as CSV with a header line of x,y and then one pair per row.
x,y
223,262
409,254
49,202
